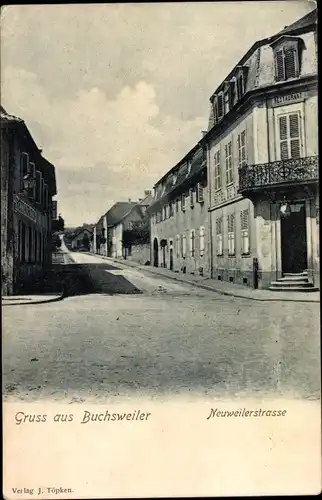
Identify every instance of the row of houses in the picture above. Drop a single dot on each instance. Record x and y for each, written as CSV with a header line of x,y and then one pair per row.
x,y
28,211
124,231
243,204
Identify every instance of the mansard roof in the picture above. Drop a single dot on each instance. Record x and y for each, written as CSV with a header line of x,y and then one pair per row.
x,y
305,24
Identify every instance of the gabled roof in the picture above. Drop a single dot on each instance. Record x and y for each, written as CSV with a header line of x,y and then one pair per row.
x,y
5,117
305,21
116,213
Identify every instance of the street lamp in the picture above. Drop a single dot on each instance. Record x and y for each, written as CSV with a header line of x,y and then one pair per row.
x,y
285,209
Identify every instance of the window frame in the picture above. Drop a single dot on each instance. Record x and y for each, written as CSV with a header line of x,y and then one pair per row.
x,y
244,232
289,139
202,241
231,230
217,170
229,167
219,236
242,149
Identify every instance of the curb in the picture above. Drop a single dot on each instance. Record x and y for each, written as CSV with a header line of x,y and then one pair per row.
x,y
211,289
30,303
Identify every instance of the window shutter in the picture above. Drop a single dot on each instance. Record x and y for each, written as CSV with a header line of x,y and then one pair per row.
x,y
220,105
232,92
295,135
279,64
283,137
290,63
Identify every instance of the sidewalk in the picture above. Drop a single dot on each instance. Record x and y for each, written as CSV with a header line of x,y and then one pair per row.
x,y
19,300
224,288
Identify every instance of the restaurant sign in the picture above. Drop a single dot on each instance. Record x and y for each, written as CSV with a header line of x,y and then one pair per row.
x,y
23,208
282,100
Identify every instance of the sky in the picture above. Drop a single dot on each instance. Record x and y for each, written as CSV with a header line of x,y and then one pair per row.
x,y
116,94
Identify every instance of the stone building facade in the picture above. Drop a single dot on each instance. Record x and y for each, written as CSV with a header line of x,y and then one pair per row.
x,y
179,217
262,156
28,184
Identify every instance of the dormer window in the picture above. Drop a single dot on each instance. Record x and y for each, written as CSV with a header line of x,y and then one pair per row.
x,y
241,77
220,105
174,179
287,58
226,102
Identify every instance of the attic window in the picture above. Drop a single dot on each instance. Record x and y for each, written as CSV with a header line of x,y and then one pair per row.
x,y
286,58
241,80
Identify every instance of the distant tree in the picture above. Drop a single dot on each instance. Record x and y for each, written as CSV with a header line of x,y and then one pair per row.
x,y
85,241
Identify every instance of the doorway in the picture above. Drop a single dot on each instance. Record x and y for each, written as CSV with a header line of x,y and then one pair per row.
x,y
155,253
294,240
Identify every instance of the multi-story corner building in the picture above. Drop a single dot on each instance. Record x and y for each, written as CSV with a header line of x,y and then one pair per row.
x,y
179,216
28,184
262,155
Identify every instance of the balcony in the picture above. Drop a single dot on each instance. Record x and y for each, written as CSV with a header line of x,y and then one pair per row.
x,y
278,174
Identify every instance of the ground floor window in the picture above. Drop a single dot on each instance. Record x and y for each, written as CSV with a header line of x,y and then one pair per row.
x,y
231,234
202,241
219,236
183,245
244,226
192,243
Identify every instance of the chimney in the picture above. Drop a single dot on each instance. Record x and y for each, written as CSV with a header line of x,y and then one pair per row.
x,y
203,133
147,193
129,200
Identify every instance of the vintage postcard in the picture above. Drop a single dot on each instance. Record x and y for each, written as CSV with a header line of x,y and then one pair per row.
x,y
160,273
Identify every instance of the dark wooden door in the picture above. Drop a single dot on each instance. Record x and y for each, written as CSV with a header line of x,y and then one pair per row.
x,y
294,241
171,259
155,253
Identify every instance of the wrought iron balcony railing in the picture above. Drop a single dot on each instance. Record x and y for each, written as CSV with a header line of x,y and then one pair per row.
x,y
292,171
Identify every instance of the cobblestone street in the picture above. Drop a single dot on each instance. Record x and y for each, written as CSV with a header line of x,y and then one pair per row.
x,y
169,339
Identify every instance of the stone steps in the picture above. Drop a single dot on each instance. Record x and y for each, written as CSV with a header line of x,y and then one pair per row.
x,y
293,282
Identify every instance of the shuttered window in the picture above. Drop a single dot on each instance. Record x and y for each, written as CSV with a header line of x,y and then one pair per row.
x,y
200,194
229,163
244,226
242,148
202,241
279,65
240,87
231,234
286,63
183,201
220,105
219,236
192,243
289,136
217,171
290,63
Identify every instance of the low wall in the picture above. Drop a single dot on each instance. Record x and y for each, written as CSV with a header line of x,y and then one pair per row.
x,y
140,253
